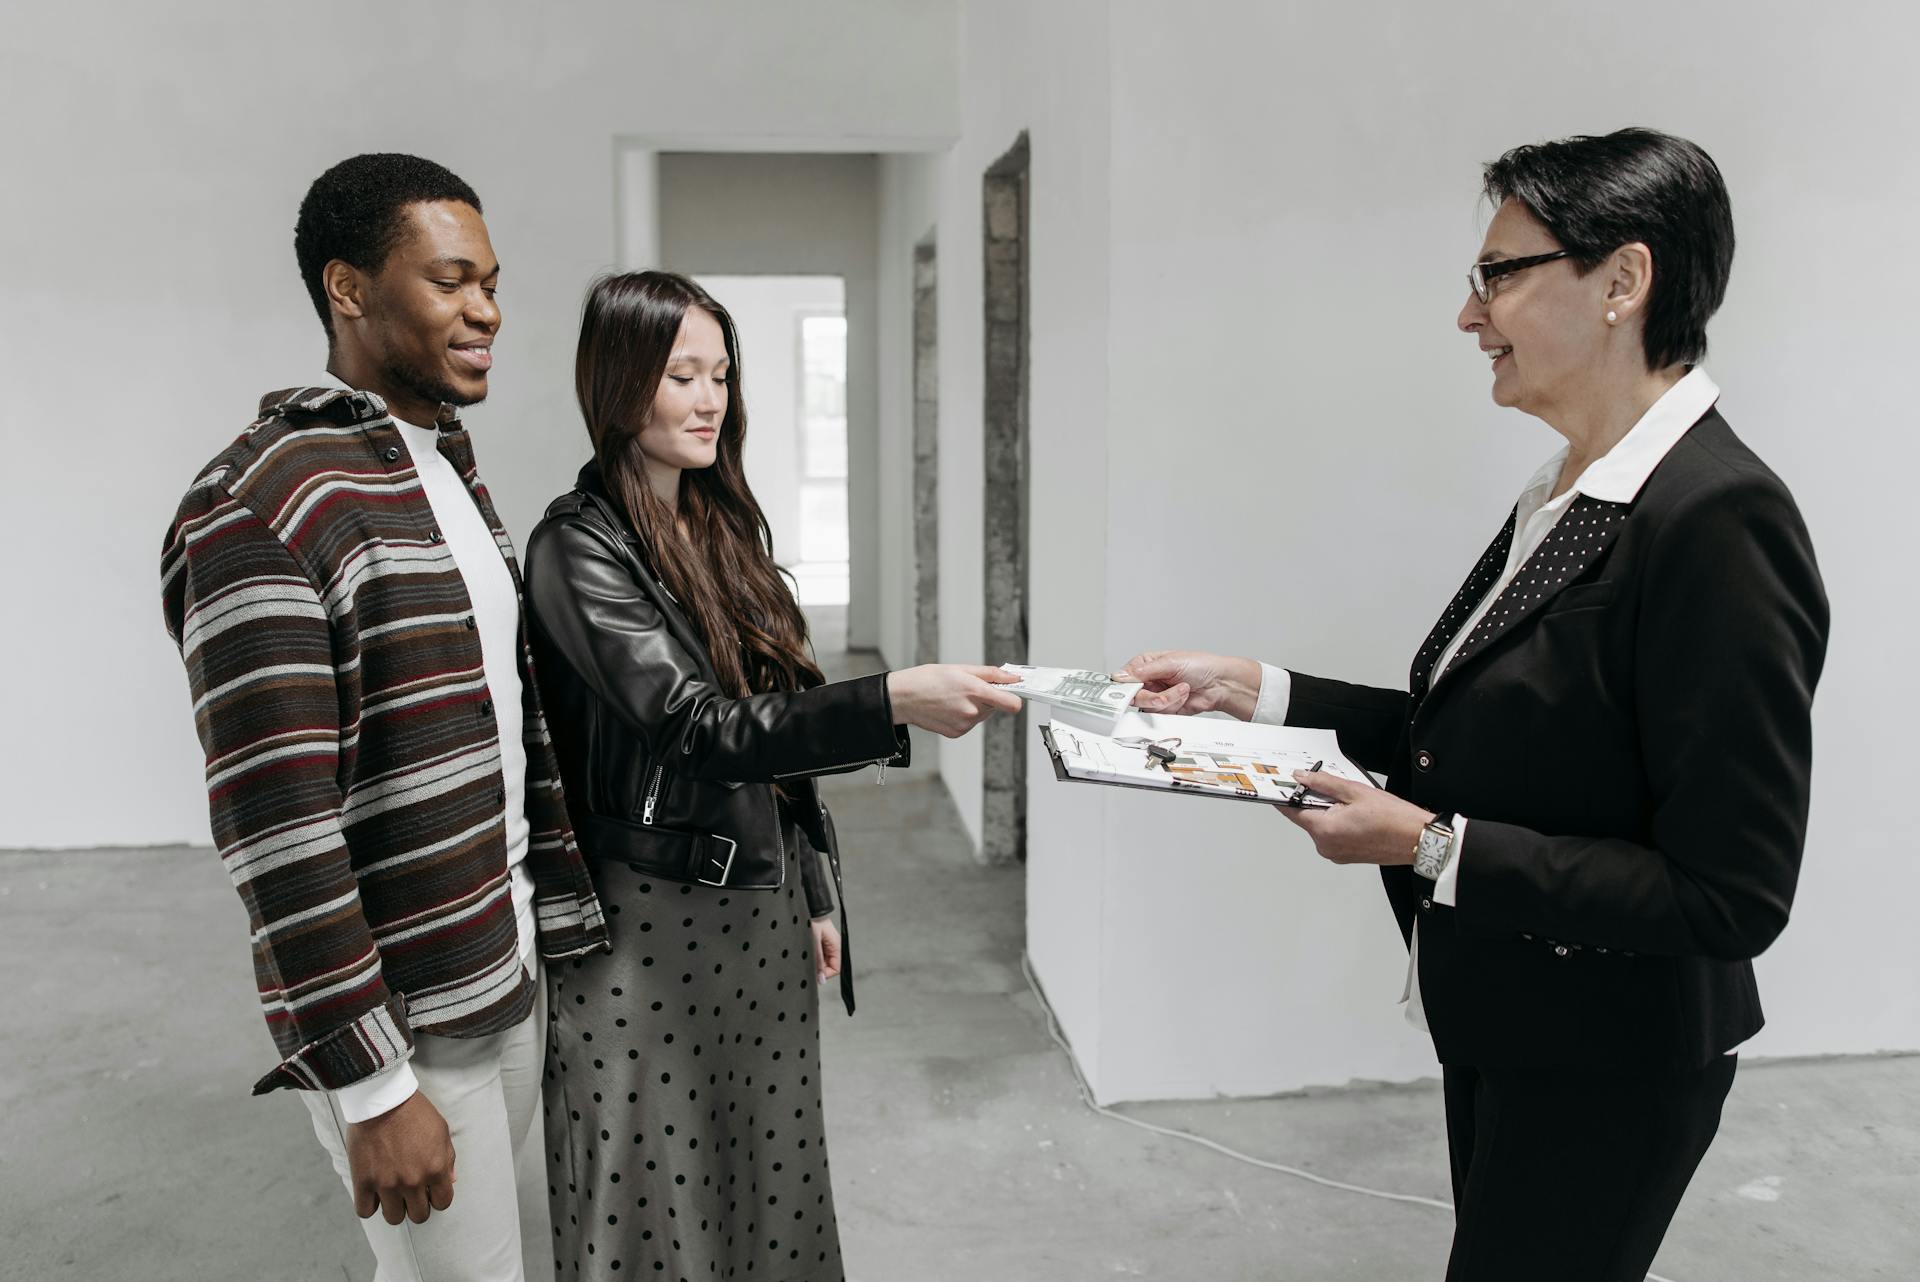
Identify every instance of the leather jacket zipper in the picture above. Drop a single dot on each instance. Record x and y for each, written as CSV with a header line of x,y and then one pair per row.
x,y
653,794
882,762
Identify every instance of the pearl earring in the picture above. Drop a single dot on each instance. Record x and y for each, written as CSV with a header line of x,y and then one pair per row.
x,y
1612,317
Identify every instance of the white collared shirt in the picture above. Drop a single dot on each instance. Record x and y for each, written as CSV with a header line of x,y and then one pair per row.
x,y
1614,477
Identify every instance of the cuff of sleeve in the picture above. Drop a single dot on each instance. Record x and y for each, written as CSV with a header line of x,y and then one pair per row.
x,y
376,1040
898,750
383,1092
1276,693
1447,889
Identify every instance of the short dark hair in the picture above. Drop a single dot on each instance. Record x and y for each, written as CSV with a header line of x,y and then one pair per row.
x,y
1597,193
353,212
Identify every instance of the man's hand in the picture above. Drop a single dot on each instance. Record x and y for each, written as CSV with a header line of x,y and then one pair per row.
x,y
826,948
1192,682
401,1162
1369,826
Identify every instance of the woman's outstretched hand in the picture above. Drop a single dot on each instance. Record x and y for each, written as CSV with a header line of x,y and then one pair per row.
x,y
950,698
1192,682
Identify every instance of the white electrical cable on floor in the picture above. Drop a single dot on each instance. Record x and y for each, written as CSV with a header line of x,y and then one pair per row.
x,y
1086,1097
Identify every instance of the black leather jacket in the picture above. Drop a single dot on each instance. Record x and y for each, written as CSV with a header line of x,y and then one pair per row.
x,y
660,767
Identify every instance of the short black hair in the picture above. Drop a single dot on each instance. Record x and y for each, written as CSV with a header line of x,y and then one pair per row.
x,y
1597,193
353,212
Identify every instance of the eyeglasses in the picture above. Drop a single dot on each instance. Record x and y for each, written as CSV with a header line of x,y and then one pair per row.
x,y
1482,275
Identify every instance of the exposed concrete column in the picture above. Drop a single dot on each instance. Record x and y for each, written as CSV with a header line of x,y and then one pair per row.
x,y
926,453
1003,835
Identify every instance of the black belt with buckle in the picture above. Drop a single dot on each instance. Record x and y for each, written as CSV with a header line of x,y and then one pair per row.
x,y
701,857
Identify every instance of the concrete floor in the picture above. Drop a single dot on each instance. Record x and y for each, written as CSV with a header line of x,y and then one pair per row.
x,y
961,1149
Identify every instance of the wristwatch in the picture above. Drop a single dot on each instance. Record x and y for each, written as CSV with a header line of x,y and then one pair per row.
x,y
1434,849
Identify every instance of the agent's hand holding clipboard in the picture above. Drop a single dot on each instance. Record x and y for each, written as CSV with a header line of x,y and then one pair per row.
x,y
1364,826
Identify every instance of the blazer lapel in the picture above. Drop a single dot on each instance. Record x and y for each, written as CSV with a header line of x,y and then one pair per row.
x,y
1478,584
1573,545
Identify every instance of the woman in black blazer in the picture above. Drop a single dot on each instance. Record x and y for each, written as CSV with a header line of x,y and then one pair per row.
x,y
1598,772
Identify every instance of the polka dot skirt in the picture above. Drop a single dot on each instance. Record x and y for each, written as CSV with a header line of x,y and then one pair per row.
x,y
685,1139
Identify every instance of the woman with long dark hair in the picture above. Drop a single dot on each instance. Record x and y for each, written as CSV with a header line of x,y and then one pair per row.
x,y
684,1131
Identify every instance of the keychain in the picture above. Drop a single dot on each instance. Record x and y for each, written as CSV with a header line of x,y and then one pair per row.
x,y
1160,752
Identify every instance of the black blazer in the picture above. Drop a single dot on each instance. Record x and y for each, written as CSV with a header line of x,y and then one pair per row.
x,y
1628,737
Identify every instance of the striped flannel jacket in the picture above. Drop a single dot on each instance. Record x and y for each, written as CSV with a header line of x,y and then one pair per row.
x,y
352,757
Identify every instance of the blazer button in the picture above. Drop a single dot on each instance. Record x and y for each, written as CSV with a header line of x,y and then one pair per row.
x,y
1560,950
433,536
393,453
471,624
1423,759
1426,903
486,708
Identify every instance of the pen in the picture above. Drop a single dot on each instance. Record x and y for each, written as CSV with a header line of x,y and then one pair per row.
x,y
1300,793
1222,789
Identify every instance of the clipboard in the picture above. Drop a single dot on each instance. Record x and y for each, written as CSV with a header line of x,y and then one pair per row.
x,y
1295,796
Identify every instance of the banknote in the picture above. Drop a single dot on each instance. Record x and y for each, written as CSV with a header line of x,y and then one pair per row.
x,y
1079,690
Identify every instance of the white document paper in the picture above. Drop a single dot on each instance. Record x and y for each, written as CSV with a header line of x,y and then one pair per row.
x,y
1212,756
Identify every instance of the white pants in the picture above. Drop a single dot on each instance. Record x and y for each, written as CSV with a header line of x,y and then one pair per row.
x,y
488,1089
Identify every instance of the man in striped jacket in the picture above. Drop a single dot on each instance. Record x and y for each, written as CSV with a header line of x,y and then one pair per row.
x,y
382,787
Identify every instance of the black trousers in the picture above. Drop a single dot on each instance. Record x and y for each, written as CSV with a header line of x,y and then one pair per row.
x,y
1564,1175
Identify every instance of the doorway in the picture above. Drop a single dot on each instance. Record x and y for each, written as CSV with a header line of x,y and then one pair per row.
x,y
792,333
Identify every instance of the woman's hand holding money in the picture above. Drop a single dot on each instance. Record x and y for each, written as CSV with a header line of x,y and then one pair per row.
x,y
1191,682
950,698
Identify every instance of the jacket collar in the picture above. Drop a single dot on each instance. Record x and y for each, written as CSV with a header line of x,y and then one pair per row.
x,y
593,483
1602,499
346,406
1578,541
1617,475
340,404
590,481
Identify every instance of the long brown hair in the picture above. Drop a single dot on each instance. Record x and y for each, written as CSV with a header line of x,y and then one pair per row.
x,y
722,570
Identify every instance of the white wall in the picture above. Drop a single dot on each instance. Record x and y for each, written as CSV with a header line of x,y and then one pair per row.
x,y
1304,309
1041,68
787,214
1250,226
766,313
151,294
